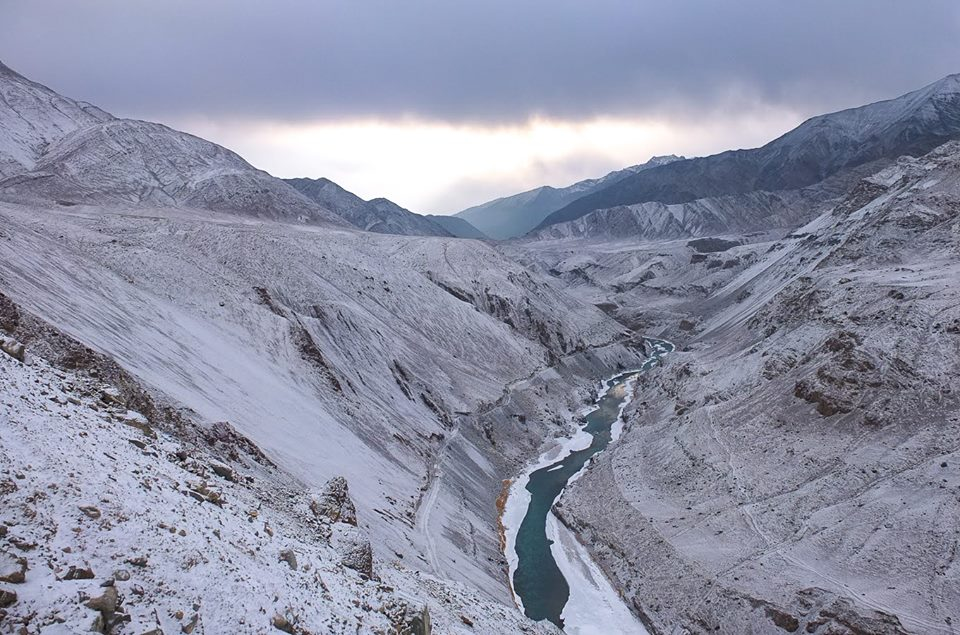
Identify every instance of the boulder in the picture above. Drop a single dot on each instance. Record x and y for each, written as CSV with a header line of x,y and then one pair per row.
x,y
106,603
224,471
13,569
420,624
90,512
13,348
7,598
79,573
334,504
281,623
353,547
288,556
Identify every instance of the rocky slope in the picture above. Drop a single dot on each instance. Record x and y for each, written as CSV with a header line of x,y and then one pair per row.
x,y
795,467
338,352
819,148
703,217
513,216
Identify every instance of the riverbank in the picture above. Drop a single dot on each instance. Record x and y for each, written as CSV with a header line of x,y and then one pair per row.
x,y
578,596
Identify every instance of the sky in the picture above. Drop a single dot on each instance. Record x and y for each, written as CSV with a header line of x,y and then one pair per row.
x,y
443,104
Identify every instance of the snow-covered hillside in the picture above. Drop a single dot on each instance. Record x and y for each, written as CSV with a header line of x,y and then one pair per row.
x,y
337,351
703,217
56,150
139,162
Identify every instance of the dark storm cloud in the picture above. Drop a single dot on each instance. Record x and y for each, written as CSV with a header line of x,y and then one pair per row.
x,y
490,61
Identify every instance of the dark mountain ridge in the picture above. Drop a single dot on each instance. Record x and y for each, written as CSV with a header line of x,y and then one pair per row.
x,y
822,146
379,215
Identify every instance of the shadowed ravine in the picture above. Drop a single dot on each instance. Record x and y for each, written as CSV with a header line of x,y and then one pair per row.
x,y
538,580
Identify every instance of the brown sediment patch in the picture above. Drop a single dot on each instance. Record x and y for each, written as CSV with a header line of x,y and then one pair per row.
x,y
501,507
502,532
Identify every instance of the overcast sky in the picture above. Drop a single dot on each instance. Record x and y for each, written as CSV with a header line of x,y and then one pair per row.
x,y
440,104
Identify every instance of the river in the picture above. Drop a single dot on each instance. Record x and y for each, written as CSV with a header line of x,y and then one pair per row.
x,y
541,588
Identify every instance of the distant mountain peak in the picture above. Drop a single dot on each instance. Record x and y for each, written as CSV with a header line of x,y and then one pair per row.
x,y
663,159
515,215
949,84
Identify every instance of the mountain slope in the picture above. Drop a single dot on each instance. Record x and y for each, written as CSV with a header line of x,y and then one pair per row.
x,y
703,217
820,147
338,352
156,516
515,215
386,217
330,195
378,215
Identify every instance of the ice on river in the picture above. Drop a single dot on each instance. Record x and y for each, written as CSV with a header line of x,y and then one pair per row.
x,y
591,594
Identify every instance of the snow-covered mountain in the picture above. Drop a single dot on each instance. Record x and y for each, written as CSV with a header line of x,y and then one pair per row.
x,y
513,216
703,217
327,193
386,217
67,152
819,148
32,117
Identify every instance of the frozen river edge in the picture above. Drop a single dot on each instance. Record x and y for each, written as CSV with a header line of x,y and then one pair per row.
x,y
594,605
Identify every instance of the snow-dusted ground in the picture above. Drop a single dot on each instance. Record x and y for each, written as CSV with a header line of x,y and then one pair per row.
x,y
86,486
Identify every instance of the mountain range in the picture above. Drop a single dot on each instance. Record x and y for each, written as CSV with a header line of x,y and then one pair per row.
x,y
70,152
826,146
235,403
672,196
